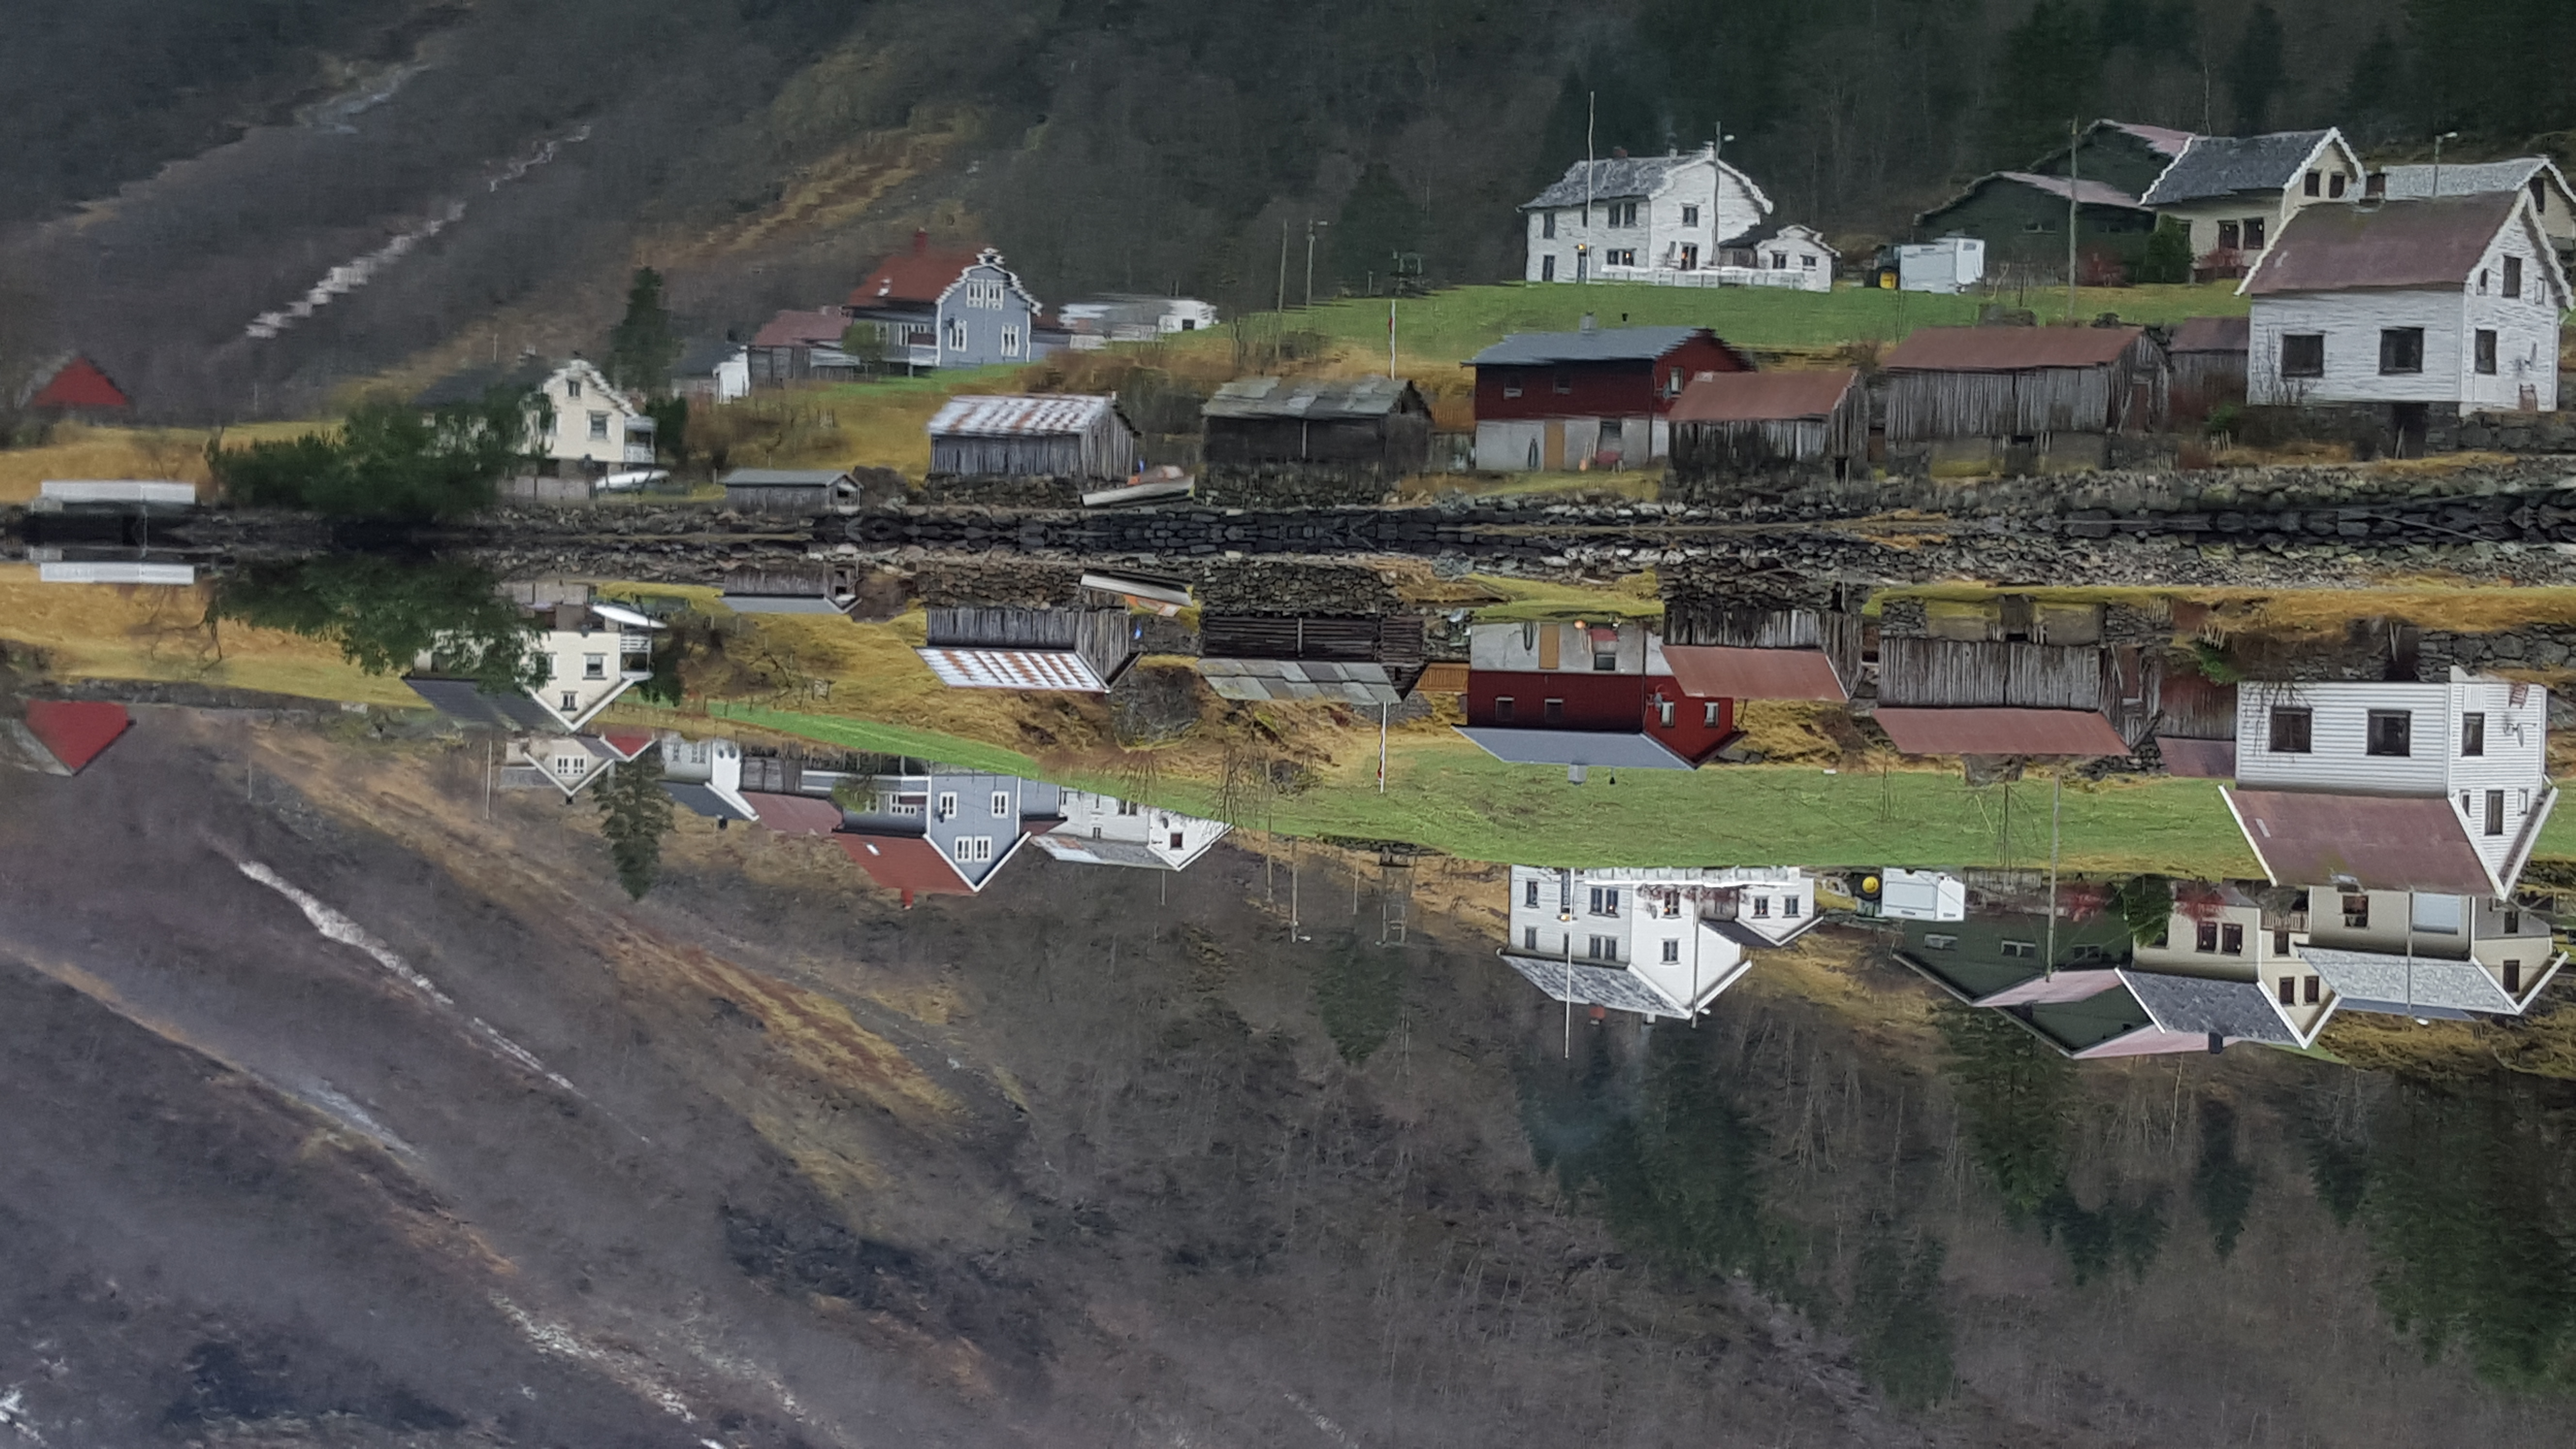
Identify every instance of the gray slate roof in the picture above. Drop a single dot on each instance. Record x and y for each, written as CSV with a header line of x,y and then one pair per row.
x,y
528,374
2376,981
463,700
2458,179
699,800
1608,344
705,356
2237,1010
1620,176
1102,852
1309,397
2225,165
1592,985
1633,751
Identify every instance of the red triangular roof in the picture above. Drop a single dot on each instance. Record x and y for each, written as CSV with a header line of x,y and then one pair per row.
x,y
908,863
80,383
915,276
627,743
76,731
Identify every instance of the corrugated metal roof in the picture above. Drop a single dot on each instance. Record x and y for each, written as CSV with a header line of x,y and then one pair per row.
x,y
2201,1006
1593,985
1012,669
1744,397
2224,165
1574,747
1608,344
2431,243
1710,671
2010,349
1312,398
2409,183
2376,981
907,863
2055,732
1078,851
2212,334
2383,842
969,416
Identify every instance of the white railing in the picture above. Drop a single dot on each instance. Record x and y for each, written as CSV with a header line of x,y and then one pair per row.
x,y
1713,277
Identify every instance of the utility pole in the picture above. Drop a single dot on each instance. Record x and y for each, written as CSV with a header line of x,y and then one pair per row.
x,y
2074,182
2056,816
1282,304
1311,224
1583,249
2437,158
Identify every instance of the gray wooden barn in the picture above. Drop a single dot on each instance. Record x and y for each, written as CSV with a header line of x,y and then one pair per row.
x,y
1754,424
1055,435
792,492
793,589
1362,659
1375,422
2207,355
2026,398
1083,650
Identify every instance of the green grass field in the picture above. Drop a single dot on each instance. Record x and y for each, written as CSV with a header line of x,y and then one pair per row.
x,y
1445,794
1457,323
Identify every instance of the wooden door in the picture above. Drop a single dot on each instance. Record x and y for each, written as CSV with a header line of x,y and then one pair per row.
x,y
1551,639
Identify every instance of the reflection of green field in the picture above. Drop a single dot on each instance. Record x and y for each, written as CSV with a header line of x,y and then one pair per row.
x,y
1447,795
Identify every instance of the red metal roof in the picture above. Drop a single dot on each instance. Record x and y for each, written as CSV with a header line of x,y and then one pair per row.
x,y
2430,243
794,814
907,863
1735,397
76,732
2386,843
627,744
80,383
1711,671
803,329
2010,349
2089,193
918,275
2198,759
2070,732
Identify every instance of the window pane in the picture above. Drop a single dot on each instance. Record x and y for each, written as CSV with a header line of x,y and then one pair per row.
x,y
2391,732
2290,728
2473,734
2303,354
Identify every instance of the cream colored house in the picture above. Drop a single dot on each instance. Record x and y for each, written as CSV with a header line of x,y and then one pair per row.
x,y
2427,953
2221,931
587,421
2235,193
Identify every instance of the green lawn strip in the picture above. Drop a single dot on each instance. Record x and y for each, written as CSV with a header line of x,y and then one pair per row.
x,y
1461,321
1449,797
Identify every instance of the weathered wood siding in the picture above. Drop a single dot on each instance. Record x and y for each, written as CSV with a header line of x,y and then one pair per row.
x,y
2125,396
1399,443
1838,635
1105,449
1386,639
1936,672
1726,449
1101,636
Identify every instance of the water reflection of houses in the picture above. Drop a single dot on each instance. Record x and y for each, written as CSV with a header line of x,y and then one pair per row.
x,y
1360,659
1095,829
61,736
592,651
1587,693
1082,650
1659,941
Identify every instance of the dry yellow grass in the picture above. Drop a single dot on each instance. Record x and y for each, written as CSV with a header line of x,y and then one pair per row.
x,y
77,451
118,631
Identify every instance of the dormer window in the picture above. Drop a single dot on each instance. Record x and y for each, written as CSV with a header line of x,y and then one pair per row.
x,y
2334,188
2315,184
2512,276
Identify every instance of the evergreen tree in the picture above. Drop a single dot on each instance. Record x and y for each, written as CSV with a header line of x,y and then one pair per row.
x,y
635,815
1378,223
643,349
2223,1184
388,460
1359,994
2167,257
2049,74
2374,99
2015,1097
1897,1322
2256,71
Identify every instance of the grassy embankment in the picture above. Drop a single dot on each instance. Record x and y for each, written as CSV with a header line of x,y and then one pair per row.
x,y
78,451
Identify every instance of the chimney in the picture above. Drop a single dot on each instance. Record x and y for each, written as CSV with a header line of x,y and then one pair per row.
x,y
907,898
920,240
2217,1043
1591,323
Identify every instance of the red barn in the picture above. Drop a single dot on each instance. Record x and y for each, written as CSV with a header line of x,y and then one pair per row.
x,y
1588,398
1586,694
78,385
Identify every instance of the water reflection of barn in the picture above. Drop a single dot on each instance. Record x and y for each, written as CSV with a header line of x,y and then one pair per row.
x,y
1365,659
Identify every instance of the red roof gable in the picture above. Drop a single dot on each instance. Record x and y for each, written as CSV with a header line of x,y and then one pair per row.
x,y
76,731
918,275
906,863
794,814
627,743
80,383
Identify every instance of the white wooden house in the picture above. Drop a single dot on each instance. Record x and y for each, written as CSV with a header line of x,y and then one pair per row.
x,y
2440,786
592,653
2236,194
1659,941
704,777
1795,251
588,421
1105,830
2451,300
1630,218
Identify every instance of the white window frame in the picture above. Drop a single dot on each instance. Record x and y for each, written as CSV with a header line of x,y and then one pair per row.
x,y
1001,803
947,804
